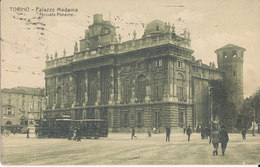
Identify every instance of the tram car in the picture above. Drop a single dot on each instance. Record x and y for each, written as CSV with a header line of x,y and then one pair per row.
x,y
62,128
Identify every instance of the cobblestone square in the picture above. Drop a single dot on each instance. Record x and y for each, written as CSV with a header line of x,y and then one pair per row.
x,y
119,149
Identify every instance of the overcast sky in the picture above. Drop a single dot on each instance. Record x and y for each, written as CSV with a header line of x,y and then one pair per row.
x,y
213,24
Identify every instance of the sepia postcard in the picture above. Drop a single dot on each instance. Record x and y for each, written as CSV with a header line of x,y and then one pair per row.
x,y
130,82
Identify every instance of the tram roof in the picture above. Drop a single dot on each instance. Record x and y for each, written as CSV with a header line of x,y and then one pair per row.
x,y
82,120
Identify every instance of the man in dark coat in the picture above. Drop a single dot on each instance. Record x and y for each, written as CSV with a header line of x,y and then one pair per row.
x,y
203,131
149,133
215,139
168,133
244,133
78,134
28,132
223,139
188,131
133,133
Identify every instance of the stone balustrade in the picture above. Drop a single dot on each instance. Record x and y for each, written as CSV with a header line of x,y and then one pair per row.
x,y
123,47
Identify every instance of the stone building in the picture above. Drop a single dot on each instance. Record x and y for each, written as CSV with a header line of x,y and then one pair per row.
x,y
21,106
151,82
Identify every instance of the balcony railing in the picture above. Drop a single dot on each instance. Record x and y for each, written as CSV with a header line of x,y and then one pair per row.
x,y
117,48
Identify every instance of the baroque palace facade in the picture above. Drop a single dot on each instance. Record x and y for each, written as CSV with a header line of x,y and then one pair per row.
x,y
151,82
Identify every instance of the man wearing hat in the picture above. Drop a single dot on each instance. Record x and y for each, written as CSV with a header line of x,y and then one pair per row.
x,y
223,139
188,131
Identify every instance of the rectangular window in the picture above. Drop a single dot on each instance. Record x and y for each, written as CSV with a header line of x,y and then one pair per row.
x,y
125,119
180,64
180,93
158,63
181,118
139,118
127,94
157,119
127,68
23,103
9,111
234,73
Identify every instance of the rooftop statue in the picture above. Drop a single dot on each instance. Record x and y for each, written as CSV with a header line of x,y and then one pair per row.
x,y
119,38
64,53
76,47
173,29
56,55
47,57
134,33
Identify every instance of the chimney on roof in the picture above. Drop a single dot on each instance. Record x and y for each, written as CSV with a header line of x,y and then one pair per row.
x,y
98,18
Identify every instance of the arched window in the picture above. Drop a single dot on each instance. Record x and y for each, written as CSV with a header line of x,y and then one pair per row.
x,y
92,87
50,98
23,104
127,91
157,27
8,123
157,88
224,53
234,53
70,95
59,96
141,90
180,89
105,86
66,96
39,105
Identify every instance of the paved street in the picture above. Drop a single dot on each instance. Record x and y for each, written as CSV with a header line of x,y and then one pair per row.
x,y
120,149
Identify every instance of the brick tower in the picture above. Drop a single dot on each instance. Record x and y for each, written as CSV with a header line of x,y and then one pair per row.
x,y
230,61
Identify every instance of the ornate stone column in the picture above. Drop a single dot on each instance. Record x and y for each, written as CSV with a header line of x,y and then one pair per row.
x,y
111,91
97,113
98,87
86,86
133,91
119,86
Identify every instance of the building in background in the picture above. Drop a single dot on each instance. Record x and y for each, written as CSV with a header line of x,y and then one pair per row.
x,y
21,106
151,82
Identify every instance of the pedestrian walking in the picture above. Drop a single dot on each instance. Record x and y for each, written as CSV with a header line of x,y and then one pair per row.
x,y
168,133
28,132
36,131
202,133
244,133
253,130
184,130
223,139
189,132
133,133
70,133
207,132
149,133
78,134
75,133
214,138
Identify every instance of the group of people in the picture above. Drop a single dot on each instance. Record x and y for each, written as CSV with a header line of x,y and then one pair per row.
x,y
74,134
219,136
205,133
